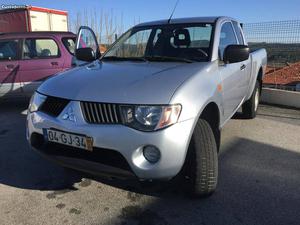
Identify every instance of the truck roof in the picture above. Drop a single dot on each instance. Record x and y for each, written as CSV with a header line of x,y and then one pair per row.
x,y
37,34
211,19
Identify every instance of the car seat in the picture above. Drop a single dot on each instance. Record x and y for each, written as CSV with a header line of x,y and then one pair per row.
x,y
45,53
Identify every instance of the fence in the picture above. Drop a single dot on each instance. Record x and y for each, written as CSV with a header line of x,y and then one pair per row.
x,y
281,39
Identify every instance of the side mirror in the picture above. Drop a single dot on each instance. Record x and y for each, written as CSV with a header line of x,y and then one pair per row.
x,y
87,48
236,53
85,54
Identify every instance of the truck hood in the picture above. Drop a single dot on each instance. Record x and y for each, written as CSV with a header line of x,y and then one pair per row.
x,y
121,82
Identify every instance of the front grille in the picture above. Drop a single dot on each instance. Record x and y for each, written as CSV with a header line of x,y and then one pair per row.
x,y
100,113
53,106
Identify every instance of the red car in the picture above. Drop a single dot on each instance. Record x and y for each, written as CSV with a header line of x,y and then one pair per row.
x,y
26,59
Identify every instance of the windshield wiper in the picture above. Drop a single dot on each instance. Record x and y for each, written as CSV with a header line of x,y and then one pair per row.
x,y
168,58
149,58
116,58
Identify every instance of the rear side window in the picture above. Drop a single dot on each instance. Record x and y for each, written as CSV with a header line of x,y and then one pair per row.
x,y
8,49
238,32
69,44
40,49
227,38
200,36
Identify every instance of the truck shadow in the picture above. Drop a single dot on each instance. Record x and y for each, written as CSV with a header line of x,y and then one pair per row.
x,y
258,184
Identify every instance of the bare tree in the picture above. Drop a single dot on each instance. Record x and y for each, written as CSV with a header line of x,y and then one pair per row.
x,y
106,24
100,26
78,22
110,27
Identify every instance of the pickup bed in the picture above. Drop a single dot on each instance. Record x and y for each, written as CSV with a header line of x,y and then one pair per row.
x,y
153,106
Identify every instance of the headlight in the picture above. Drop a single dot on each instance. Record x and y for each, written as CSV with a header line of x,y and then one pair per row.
x,y
150,118
148,115
36,101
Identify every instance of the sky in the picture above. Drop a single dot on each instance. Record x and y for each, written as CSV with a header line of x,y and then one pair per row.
x,y
141,10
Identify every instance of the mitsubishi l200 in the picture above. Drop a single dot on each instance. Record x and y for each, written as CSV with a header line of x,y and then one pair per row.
x,y
153,106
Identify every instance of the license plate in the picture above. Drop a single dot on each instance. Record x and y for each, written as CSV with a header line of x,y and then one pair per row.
x,y
69,139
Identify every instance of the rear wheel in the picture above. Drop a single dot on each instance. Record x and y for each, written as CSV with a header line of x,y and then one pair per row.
x,y
202,161
250,107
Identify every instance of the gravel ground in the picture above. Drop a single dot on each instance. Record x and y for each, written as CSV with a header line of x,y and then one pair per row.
x,y
259,181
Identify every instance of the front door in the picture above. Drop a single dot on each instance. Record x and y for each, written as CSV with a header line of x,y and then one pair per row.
x,y
41,58
232,75
245,65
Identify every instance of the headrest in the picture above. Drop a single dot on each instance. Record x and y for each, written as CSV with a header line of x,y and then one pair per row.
x,y
45,53
182,38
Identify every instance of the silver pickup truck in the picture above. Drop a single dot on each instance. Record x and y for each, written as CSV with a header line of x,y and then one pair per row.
x,y
152,107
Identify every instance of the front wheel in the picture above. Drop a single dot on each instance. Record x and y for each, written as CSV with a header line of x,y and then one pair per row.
x,y
202,161
250,107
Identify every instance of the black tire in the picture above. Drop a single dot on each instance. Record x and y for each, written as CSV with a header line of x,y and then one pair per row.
x,y
250,107
202,161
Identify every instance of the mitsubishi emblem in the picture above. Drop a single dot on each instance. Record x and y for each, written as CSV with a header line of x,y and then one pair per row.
x,y
69,115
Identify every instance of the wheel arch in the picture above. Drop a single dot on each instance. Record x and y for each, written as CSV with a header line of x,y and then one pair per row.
x,y
211,114
260,78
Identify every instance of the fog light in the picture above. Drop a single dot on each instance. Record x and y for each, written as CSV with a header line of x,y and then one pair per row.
x,y
151,153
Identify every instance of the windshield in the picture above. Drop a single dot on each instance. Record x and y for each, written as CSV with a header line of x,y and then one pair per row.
x,y
170,42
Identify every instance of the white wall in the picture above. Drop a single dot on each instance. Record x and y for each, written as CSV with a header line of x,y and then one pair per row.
x,y
39,21
59,22
43,21
281,97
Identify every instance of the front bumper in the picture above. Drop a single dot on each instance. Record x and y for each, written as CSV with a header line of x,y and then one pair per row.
x,y
124,146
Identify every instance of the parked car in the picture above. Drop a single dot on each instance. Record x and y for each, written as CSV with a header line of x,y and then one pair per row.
x,y
26,59
154,105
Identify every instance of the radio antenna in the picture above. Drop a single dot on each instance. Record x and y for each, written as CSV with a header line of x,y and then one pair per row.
x,y
169,20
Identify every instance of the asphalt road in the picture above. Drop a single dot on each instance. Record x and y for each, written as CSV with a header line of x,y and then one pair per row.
x,y
259,181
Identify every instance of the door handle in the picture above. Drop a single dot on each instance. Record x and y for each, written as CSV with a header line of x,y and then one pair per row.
x,y
243,67
54,63
10,66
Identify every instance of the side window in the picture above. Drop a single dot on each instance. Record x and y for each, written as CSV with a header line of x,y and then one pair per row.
x,y
69,44
238,32
8,49
200,36
40,49
227,37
